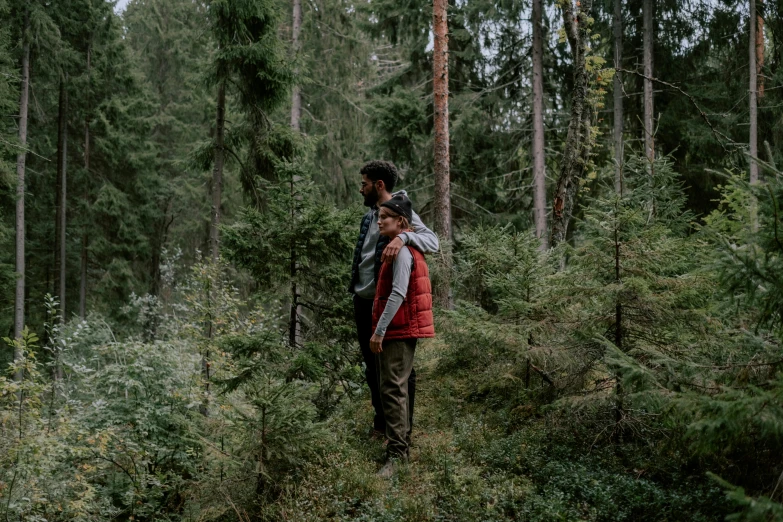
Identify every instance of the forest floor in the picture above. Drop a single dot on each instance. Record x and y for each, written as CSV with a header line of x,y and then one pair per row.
x,y
443,481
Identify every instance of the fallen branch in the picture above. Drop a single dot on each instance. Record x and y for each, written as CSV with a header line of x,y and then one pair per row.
x,y
541,372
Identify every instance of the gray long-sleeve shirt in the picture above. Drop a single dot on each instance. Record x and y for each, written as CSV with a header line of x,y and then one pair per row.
x,y
400,280
422,238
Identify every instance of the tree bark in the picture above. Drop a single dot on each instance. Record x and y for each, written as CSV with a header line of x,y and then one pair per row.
x,y
20,189
760,52
208,333
754,168
83,277
85,239
539,168
760,49
440,85
295,321
649,129
62,194
295,325
618,97
214,230
577,149
217,173
296,96
618,309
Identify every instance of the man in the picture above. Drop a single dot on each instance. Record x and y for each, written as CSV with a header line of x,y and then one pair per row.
x,y
378,181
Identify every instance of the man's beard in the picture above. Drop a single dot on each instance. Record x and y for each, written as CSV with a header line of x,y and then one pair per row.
x,y
371,198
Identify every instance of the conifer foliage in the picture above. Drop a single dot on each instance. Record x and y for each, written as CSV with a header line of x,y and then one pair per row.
x,y
179,209
249,57
626,345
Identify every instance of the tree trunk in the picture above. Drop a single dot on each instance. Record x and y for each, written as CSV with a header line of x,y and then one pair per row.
x,y
618,309
217,173
296,107
295,325
539,172
85,242
577,149
440,85
83,278
57,198
649,129
62,193
159,240
208,333
618,97
214,231
296,96
760,53
20,188
754,168
156,245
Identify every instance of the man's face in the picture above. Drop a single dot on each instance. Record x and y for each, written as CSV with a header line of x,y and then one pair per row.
x,y
369,190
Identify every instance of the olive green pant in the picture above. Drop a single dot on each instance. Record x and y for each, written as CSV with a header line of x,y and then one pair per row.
x,y
395,363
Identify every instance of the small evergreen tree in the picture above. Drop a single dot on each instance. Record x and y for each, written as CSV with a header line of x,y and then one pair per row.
x,y
249,63
303,246
737,423
634,294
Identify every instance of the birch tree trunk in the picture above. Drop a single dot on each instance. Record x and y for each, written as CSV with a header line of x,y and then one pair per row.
x,y
754,168
20,188
618,97
217,173
440,86
648,34
296,96
577,149
539,168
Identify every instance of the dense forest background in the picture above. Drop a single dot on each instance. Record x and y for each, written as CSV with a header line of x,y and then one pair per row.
x,y
179,193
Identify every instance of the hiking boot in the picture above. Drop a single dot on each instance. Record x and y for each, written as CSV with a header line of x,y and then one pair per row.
x,y
388,469
391,466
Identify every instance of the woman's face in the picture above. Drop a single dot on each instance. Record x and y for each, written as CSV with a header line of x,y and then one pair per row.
x,y
389,224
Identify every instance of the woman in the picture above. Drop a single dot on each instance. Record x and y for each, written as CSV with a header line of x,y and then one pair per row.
x,y
402,314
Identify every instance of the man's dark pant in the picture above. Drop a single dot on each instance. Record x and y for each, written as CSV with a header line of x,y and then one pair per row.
x,y
363,314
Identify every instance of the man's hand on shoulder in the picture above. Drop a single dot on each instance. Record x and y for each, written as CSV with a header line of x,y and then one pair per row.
x,y
392,249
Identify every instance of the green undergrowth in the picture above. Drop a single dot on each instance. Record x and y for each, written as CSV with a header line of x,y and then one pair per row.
x,y
633,376
472,460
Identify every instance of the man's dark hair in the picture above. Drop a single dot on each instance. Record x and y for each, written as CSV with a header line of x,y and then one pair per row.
x,y
379,170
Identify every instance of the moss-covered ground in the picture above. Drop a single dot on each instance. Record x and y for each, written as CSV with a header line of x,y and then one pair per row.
x,y
441,482
469,462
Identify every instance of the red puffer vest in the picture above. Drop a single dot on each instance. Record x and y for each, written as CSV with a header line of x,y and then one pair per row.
x,y
414,318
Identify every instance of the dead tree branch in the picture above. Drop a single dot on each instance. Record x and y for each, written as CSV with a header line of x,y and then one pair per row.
x,y
718,135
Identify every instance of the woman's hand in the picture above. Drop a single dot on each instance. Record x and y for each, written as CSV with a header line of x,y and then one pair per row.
x,y
376,343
